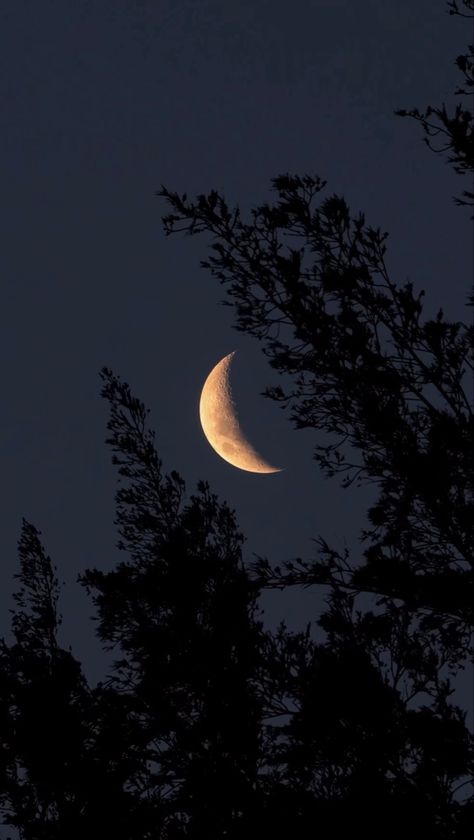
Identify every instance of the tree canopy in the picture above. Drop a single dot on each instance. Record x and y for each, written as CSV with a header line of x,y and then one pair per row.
x,y
210,725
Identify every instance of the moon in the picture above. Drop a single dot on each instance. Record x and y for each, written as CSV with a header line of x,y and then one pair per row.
x,y
218,415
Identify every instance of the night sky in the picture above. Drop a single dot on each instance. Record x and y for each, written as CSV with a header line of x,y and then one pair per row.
x,y
102,102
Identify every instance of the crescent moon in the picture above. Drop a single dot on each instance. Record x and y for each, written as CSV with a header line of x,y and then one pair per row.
x,y
218,415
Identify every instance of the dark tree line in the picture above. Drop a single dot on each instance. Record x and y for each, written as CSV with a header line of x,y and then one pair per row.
x,y
210,726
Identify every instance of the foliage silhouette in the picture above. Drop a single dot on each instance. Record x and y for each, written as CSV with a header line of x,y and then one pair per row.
x,y
366,369
388,388
62,769
182,614
209,726
455,130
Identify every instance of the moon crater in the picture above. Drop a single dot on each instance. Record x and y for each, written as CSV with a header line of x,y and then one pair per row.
x,y
220,424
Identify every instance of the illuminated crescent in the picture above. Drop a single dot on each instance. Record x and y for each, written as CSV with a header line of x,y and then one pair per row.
x,y
220,425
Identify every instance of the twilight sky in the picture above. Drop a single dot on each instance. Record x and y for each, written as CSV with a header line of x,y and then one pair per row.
x,y
102,103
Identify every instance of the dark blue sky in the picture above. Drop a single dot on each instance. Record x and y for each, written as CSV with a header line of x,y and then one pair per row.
x,y
102,103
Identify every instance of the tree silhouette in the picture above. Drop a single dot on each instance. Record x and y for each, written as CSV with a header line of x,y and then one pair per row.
x,y
369,372
390,390
62,761
182,613
210,726
455,130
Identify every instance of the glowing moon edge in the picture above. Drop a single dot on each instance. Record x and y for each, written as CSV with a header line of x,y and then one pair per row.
x,y
220,424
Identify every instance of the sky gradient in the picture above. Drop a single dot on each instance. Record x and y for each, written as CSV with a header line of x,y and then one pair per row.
x,y
103,103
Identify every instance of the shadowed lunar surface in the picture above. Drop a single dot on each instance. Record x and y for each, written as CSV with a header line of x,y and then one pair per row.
x,y
221,427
